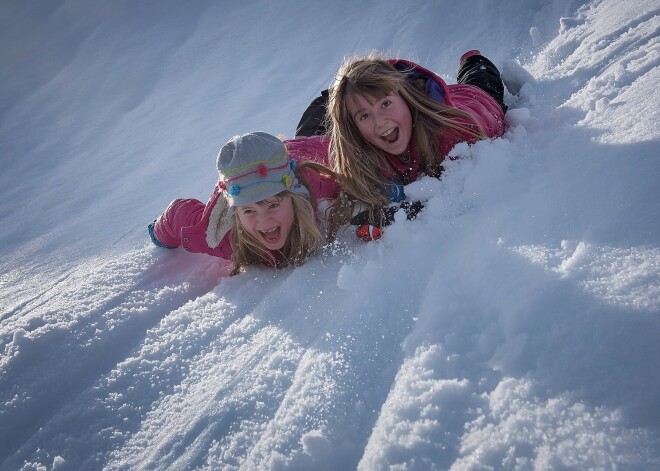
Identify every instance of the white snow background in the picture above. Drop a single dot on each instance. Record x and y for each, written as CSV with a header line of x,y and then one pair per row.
x,y
513,325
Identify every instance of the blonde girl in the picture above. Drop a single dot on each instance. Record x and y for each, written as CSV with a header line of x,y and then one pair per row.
x,y
259,212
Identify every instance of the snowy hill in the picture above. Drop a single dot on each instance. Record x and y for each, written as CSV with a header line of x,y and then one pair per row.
x,y
513,325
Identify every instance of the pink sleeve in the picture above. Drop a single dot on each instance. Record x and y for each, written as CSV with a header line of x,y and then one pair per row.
x,y
312,148
179,214
483,109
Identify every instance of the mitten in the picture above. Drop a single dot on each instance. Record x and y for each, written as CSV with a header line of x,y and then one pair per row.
x,y
412,209
375,217
370,223
368,233
385,216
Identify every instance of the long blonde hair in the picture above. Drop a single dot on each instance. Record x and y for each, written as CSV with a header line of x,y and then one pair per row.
x,y
339,211
356,162
304,238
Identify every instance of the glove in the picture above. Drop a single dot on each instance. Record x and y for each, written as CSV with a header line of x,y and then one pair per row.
x,y
370,223
367,232
378,218
385,216
412,209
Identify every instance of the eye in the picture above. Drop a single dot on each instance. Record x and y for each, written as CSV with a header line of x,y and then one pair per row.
x,y
386,103
273,205
247,211
363,116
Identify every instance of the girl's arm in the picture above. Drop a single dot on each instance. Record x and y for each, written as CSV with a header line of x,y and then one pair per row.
x,y
309,149
179,214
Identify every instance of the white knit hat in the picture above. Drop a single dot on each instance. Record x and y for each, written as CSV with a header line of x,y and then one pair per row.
x,y
254,167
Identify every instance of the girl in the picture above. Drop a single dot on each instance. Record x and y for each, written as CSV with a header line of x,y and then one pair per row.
x,y
258,213
393,120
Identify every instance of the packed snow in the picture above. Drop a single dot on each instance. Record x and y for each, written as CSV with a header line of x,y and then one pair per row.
x,y
513,325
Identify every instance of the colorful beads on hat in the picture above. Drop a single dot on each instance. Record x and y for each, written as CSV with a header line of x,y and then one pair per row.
x,y
292,164
234,190
286,179
262,170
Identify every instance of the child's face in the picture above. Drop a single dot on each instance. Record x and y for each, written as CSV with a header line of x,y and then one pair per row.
x,y
385,123
269,221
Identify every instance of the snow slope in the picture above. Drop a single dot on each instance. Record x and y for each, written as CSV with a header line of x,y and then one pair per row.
x,y
513,325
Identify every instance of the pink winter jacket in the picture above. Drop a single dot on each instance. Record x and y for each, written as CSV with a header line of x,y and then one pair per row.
x,y
185,221
486,114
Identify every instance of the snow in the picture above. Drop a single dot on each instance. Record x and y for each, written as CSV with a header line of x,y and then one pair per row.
x,y
512,325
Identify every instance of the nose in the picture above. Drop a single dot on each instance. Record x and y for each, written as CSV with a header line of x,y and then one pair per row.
x,y
379,118
263,219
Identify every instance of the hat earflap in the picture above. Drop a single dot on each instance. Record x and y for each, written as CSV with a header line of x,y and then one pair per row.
x,y
219,221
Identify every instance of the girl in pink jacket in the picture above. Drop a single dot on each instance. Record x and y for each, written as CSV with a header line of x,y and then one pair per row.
x,y
264,210
394,121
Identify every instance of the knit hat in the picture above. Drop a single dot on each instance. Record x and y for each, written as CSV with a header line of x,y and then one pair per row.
x,y
254,167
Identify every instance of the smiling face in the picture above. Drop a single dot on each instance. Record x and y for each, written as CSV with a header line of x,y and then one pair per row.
x,y
269,221
385,123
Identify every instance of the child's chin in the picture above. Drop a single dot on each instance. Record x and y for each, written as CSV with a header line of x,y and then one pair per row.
x,y
392,147
277,245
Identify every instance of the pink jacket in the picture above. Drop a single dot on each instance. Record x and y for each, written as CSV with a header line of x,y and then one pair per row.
x,y
486,114
185,221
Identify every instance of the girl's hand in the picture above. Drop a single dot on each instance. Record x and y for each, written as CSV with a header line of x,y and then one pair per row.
x,y
385,216
370,223
368,233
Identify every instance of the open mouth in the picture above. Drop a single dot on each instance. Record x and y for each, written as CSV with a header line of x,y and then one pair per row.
x,y
391,135
271,235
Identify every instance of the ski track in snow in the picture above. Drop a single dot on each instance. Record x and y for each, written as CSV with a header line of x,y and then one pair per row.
x,y
168,366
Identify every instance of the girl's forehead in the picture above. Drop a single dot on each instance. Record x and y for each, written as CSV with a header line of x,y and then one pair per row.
x,y
278,198
357,101
271,199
